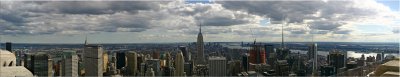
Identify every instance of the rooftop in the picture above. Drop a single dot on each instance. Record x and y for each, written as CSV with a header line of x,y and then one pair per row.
x,y
390,68
15,71
216,58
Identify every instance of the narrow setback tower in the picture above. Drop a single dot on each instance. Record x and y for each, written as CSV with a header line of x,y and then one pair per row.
x,y
313,50
200,48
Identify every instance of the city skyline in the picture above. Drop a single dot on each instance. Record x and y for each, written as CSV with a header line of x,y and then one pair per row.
x,y
177,21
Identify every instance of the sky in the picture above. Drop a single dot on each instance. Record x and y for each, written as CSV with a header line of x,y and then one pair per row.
x,y
179,20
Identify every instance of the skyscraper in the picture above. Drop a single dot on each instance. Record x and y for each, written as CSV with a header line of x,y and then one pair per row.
x,y
378,57
312,53
142,70
179,65
282,68
168,61
336,59
9,46
132,63
217,66
282,52
269,48
70,64
361,61
150,72
121,60
312,48
245,62
234,68
105,62
327,70
200,48
189,68
42,64
257,54
201,70
155,64
168,71
185,53
140,60
155,55
93,60
28,59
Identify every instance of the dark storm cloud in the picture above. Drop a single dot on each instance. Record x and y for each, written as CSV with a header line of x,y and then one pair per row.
x,y
126,23
325,25
221,21
69,17
11,17
211,14
298,32
296,11
319,31
97,7
327,16
343,31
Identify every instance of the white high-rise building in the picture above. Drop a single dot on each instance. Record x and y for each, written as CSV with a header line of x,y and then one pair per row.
x,y
93,60
217,66
314,53
179,64
132,63
70,64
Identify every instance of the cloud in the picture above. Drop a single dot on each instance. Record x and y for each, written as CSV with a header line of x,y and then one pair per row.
x,y
325,25
343,31
319,32
325,16
212,14
225,18
396,30
296,11
94,7
115,16
123,22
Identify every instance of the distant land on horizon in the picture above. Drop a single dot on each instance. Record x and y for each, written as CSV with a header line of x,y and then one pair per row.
x,y
391,47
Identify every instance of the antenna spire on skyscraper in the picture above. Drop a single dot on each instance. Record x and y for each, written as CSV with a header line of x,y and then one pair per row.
x,y
283,23
200,27
255,41
86,40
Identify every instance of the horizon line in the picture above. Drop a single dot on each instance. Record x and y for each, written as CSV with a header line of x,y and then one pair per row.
x,y
205,42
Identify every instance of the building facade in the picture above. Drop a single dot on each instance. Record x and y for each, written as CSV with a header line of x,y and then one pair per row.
x,y
8,67
217,66
200,48
132,66
70,64
42,64
179,65
93,60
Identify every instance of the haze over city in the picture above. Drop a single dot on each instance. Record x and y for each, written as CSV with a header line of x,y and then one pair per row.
x,y
178,21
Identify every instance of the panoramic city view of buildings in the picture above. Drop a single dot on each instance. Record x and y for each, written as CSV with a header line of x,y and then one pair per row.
x,y
199,38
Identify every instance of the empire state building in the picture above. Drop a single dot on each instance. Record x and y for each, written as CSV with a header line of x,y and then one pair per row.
x,y
200,48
